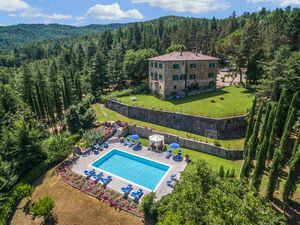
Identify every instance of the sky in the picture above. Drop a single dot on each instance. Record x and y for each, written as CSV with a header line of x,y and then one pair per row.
x,y
84,12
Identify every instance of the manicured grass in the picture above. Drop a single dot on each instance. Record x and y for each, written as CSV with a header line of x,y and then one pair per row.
x,y
237,101
105,114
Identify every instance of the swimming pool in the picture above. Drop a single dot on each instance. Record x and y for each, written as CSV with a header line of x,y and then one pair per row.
x,y
133,168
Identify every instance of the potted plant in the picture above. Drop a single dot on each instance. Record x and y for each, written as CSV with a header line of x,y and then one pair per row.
x,y
187,158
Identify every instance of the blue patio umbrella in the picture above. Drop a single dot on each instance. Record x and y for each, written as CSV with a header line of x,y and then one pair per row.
x,y
174,145
135,136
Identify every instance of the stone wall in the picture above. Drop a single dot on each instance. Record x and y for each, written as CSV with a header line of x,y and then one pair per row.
x,y
224,128
233,154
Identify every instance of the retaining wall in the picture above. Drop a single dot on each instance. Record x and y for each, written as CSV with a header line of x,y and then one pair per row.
x,y
223,128
187,143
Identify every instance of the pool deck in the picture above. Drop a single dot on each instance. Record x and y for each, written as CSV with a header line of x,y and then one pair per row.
x,y
83,163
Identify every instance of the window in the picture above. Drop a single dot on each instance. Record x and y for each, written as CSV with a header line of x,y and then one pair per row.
x,y
175,66
160,76
160,65
182,77
152,76
156,65
175,77
175,86
211,65
159,87
151,64
193,65
155,77
211,75
192,77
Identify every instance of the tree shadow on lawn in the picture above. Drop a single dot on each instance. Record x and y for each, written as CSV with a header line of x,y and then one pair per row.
x,y
198,97
290,210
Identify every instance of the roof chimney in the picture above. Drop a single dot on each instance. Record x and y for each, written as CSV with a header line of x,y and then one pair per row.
x,y
180,52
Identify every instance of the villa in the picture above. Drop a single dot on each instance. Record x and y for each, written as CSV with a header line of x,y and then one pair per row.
x,y
179,74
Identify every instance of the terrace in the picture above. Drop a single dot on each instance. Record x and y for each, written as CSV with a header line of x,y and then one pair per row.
x,y
85,163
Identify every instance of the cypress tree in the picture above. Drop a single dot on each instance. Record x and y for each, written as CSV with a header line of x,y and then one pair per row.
x,y
246,168
253,141
250,123
40,101
293,177
280,154
277,124
295,103
66,91
264,126
58,108
296,144
263,150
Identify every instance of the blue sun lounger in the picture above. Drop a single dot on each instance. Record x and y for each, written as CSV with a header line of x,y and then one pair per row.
x,y
178,156
105,180
97,176
89,172
169,153
126,142
137,194
127,189
131,144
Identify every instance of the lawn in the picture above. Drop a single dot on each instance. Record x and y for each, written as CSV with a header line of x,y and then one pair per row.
x,y
105,114
237,101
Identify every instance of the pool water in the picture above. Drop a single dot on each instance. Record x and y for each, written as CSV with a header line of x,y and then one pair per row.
x,y
135,169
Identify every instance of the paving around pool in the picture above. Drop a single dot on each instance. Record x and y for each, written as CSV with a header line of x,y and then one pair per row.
x,y
143,169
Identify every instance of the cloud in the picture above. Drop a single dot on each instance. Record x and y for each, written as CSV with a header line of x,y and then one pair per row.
x,y
13,5
112,12
32,13
278,2
192,6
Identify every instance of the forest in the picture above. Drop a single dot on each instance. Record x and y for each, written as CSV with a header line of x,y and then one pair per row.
x,y
47,86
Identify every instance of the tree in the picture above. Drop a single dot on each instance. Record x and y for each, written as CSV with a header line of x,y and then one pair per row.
x,y
202,197
42,208
176,47
72,119
135,65
279,157
263,151
253,141
293,177
278,123
97,74
148,207
250,124
296,144
24,191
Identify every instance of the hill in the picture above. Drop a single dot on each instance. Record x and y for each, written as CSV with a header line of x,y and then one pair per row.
x,y
14,36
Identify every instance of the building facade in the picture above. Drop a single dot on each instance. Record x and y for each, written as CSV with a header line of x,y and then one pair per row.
x,y
180,74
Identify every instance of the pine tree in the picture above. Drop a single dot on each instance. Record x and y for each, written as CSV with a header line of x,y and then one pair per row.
x,y
97,75
263,150
115,65
91,51
293,177
280,154
40,101
26,83
250,123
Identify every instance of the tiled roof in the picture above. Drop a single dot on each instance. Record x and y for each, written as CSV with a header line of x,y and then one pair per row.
x,y
182,56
